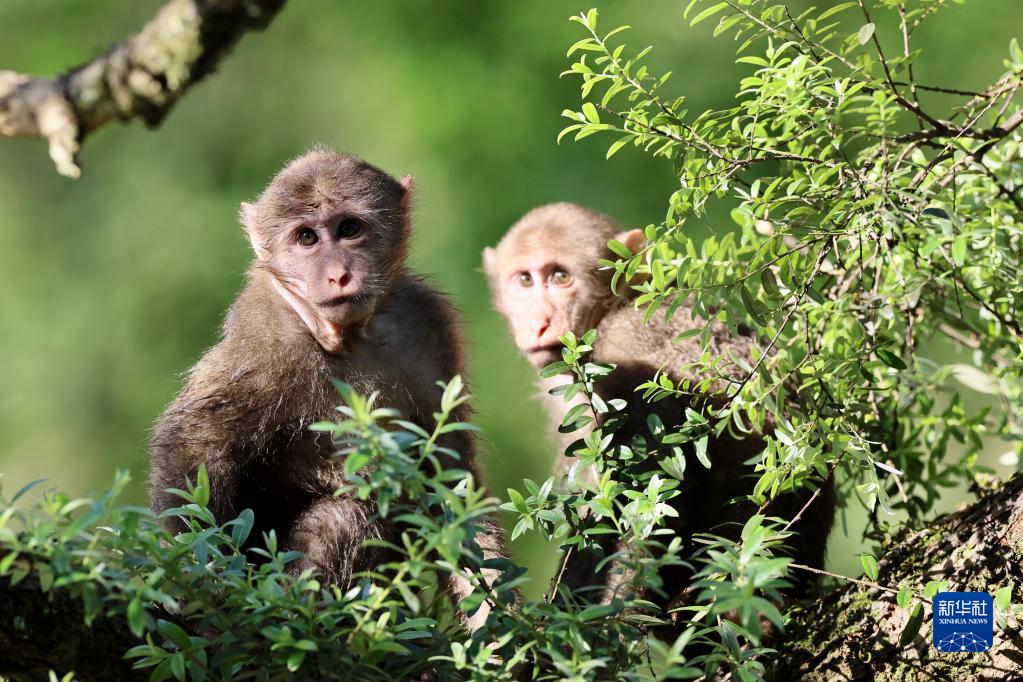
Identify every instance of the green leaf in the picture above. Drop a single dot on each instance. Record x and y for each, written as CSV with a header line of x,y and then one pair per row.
x,y
554,369
1015,52
590,112
136,617
752,306
889,358
295,660
770,283
959,250
865,33
904,597
909,633
516,499
707,13
701,451
619,249
834,10
869,564
175,633
1003,598
472,602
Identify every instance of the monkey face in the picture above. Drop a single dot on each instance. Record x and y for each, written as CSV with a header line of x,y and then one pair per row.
x,y
334,263
545,276
539,298
332,231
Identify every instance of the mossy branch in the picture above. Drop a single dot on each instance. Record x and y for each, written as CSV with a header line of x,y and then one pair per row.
x,y
141,78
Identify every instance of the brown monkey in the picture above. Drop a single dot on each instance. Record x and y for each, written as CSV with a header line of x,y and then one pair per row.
x,y
545,281
327,296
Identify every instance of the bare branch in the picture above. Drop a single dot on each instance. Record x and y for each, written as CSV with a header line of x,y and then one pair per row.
x,y
141,78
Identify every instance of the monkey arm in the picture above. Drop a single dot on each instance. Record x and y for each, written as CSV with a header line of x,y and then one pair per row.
x,y
206,425
177,449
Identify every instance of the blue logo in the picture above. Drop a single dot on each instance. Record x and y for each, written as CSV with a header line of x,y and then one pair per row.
x,y
963,621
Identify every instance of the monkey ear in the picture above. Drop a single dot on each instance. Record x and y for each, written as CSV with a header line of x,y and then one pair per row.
x,y
408,184
247,215
489,260
634,240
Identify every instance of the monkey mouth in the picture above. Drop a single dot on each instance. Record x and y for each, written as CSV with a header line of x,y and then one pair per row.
x,y
544,354
549,348
339,301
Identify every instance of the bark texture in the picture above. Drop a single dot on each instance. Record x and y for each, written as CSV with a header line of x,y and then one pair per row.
x,y
40,632
141,78
853,633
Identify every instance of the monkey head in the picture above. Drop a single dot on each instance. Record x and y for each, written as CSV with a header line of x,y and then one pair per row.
x,y
545,279
331,230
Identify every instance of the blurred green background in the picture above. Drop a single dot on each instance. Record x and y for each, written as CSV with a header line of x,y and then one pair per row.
x,y
112,286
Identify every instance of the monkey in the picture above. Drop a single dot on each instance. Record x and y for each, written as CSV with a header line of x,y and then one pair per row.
x,y
327,296
545,281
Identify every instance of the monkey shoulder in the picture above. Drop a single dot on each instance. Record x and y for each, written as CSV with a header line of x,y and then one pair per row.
x,y
625,339
249,384
422,320
416,334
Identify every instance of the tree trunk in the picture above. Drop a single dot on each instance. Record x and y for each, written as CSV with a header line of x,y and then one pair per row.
x,y
41,631
853,632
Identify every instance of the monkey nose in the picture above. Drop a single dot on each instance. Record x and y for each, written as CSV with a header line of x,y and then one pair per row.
x,y
339,280
541,328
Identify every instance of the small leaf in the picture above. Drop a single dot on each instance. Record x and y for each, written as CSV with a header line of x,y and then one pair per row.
x,y
904,597
554,369
619,249
959,250
770,283
752,306
516,499
472,602
1003,598
136,617
175,633
909,633
295,660
701,451
864,34
889,358
869,564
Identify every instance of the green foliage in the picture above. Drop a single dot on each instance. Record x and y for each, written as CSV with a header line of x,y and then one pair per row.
x,y
877,219
204,611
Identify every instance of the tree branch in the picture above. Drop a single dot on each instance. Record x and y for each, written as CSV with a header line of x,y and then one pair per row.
x,y
141,78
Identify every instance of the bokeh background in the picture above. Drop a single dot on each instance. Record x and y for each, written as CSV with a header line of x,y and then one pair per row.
x,y
112,286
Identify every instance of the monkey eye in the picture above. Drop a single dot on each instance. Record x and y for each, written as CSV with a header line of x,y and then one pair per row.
x,y
307,237
561,278
349,228
525,279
